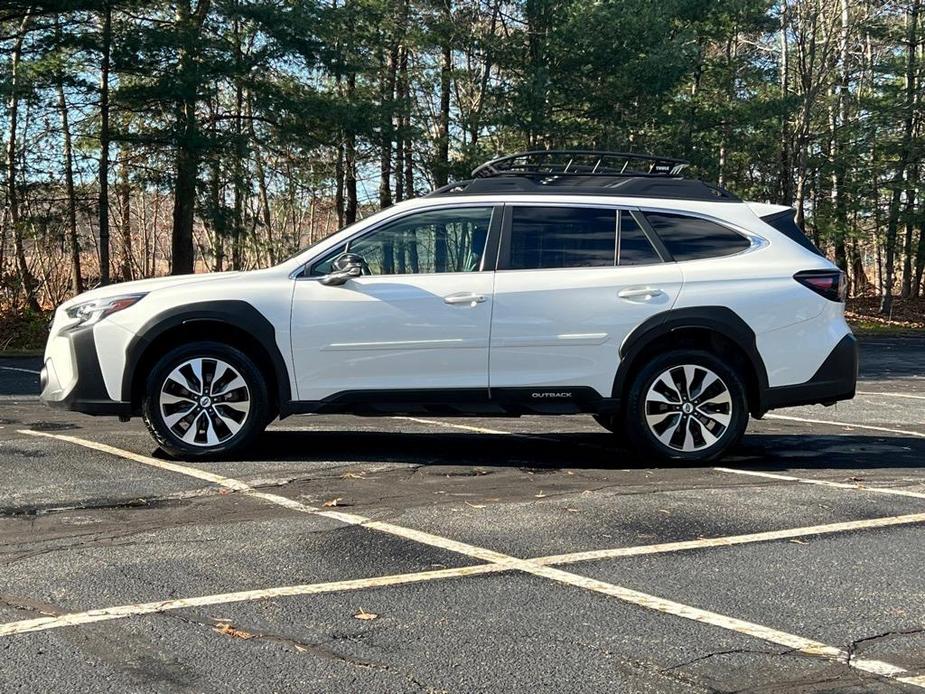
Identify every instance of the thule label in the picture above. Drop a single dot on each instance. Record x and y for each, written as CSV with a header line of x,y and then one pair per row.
x,y
551,395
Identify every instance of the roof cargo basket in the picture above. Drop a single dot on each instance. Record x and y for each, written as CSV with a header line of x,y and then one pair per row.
x,y
586,172
580,162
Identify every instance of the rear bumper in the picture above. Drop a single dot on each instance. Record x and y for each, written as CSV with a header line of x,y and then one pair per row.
x,y
836,379
75,354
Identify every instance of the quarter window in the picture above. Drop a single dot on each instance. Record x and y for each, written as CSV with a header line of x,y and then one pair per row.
x,y
634,246
560,237
690,238
449,240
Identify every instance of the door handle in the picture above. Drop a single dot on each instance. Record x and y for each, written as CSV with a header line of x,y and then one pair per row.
x,y
466,298
640,293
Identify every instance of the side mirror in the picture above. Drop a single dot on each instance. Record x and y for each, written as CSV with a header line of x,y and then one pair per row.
x,y
345,267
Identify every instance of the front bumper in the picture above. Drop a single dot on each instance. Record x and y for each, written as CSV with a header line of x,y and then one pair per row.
x,y
71,378
836,379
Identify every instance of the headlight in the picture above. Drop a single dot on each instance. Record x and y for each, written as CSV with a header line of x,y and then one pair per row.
x,y
90,312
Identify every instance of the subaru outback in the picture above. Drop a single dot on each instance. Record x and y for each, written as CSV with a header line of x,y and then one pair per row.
x,y
550,283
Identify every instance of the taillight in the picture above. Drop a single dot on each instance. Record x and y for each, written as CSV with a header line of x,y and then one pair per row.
x,y
828,283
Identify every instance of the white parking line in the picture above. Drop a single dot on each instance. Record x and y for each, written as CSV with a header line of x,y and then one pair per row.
x,y
844,424
891,395
498,559
823,483
121,612
16,368
466,427
731,540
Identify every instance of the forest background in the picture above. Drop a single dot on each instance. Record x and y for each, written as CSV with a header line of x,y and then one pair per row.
x,y
142,138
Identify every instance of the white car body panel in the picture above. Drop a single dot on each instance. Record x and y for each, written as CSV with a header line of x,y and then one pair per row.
x,y
391,332
564,327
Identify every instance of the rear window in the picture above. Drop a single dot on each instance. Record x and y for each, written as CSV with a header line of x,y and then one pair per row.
x,y
785,222
557,237
691,238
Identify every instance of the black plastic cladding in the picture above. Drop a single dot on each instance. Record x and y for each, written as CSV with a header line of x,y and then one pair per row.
x,y
718,319
236,313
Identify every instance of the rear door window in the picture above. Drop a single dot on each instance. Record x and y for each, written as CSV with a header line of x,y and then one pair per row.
x,y
692,238
562,237
634,247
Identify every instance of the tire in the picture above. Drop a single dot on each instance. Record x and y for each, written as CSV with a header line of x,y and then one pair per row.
x,y
686,405
204,400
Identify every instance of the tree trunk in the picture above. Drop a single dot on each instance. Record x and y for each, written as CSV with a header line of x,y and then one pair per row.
x,y
387,100
786,167
906,290
104,144
919,261
25,274
187,146
886,304
441,170
350,163
218,218
125,217
338,185
406,119
839,123
73,244
265,207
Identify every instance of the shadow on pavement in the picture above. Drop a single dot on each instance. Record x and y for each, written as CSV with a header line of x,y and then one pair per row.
x,y
578,450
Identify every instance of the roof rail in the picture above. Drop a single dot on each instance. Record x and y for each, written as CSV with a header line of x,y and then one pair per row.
x,y
580,162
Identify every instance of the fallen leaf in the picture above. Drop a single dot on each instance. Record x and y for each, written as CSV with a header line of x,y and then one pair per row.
x,y
332,502
228,630
364,615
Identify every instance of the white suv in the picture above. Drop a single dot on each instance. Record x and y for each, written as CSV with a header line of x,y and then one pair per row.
x,y
550,283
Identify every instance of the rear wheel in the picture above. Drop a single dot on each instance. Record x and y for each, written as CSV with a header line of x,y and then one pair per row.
x,y
686,405
205,399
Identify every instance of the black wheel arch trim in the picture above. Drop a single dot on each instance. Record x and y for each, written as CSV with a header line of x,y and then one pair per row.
x,y
719,319
233,312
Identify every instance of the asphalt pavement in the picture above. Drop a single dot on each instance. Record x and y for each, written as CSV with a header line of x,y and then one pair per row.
x,y
529,554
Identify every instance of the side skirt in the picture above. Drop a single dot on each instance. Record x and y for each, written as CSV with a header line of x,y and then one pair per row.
x,y
465,402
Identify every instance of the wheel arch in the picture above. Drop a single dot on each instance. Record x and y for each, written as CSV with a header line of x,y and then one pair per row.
x,y
233,322
715,328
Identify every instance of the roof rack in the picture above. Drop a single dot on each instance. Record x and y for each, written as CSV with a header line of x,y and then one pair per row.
x,y
580,162
586,172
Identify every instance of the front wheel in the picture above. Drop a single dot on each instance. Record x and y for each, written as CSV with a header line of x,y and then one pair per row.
x,y
205,399
686,405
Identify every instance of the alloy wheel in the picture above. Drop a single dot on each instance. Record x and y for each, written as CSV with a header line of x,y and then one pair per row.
x,y
688,408
204,401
